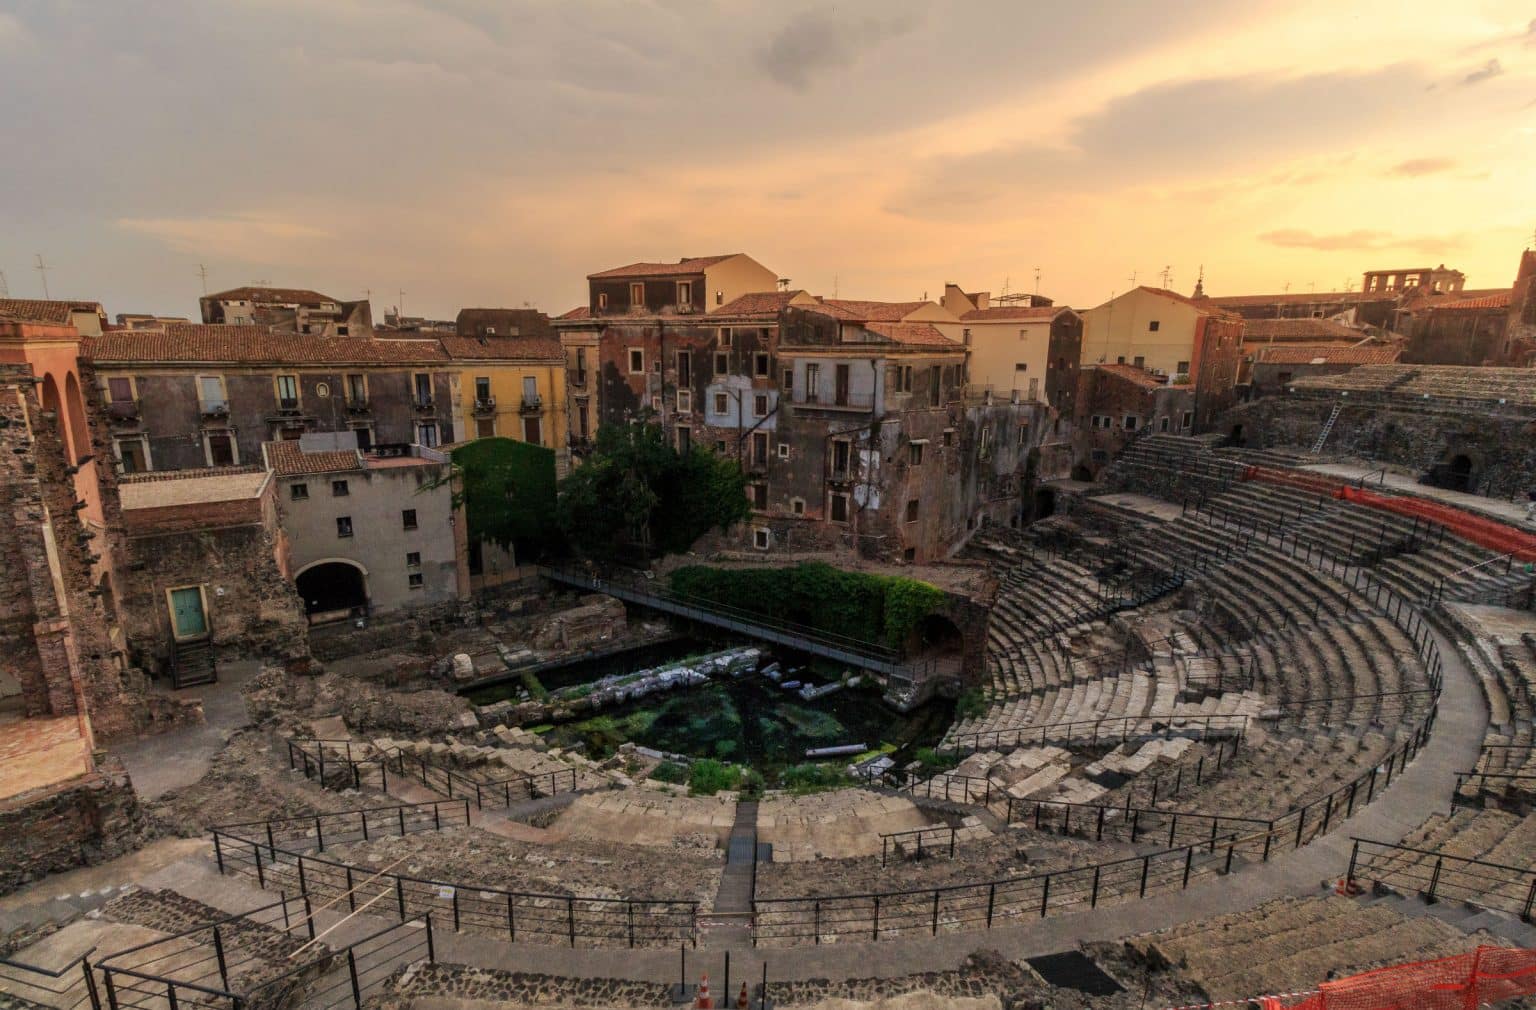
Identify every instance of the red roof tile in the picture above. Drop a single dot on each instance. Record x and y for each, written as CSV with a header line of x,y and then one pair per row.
x,y
1257,331
911,334
281,296
687,265
287,459
1496,300
1202,304
37,310
1280,354
757,303
1293,298
579,312
502,348
1008,313
887,312
222,344
1140,376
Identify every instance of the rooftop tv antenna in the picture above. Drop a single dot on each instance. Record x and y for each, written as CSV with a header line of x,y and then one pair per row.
x,y
42,268
1167,273
1133,278
400,305
5,289
202,273
1037,280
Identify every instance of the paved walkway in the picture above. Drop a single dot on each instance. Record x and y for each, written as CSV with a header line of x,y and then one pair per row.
x,y
174,760
1498,508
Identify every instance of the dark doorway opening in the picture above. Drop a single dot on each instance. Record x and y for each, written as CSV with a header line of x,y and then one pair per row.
x,y
1082,473
332,590
1045,503
1235,437
1459,473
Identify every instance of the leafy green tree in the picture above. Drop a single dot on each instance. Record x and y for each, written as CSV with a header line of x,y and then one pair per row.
x,y
507,491
634,491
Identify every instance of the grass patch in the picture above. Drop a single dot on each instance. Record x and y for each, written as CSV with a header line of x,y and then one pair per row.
x,y
670,771
810,778
707,776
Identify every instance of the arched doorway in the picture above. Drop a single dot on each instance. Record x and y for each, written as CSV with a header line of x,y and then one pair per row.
x,y
938,640
53,403
332,590
1082,473
1235,437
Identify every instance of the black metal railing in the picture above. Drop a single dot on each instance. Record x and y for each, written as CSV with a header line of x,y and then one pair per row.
x,y
918,843
70,985
316,831
469,908
352,764
1438,876
1104,731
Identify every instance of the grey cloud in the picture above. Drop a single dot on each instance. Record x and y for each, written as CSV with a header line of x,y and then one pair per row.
x,y
818,42
1415,167
1357,240
1487,71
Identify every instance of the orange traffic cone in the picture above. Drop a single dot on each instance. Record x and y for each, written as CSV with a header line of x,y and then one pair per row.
x,y
743,1002
704,1001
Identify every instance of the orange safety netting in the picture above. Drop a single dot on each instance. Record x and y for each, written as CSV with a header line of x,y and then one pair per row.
x,y
1463,982
1481,530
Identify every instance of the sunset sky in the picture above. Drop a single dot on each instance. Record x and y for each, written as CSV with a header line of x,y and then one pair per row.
x,y
494,152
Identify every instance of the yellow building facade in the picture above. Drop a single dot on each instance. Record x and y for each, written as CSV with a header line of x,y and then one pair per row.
x,y
513,388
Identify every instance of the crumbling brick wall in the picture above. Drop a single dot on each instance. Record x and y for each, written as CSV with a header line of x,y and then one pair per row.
x,y
82,822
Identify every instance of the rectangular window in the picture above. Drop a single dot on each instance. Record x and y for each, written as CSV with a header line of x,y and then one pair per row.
x,y
413,559
298,492
1189,419
357,389
1182,368
1162,423
636,361
760,365
915,450
422,387
722,403
533,431
364,437
426,434
684,401
783,450
684,439
722,363
408,519
965,336
903,378
221,449
637,295
120,390
482,390
288,392
841,379
343,526
414,580
760,538
760,448
760,497
1153,326
838,512
656,404
602,300
760,405
1131,420
684,293
485,427
797,506
131,453
684,368
725,336
210,393
789,379
912,510
339,489
1120,360
581,366
1139,361
1021,366
720,446
840,454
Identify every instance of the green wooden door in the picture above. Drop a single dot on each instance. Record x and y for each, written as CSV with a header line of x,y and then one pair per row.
x,y
187,613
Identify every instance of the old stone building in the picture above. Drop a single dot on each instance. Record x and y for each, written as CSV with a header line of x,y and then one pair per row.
x,y
1019,351
292,310
503,323
1273,367
367,534
189,397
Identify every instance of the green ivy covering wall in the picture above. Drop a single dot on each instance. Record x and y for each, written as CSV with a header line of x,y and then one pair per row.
x,y
508,492
874,608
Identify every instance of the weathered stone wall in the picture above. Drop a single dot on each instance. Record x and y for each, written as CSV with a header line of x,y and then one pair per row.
x,y
85,821
1500,445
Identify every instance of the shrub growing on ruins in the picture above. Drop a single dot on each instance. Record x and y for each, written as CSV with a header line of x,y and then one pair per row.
x,y
707,776
874,608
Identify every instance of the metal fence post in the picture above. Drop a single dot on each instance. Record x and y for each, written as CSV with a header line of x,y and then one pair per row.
x,y
431,946
218,953
357,992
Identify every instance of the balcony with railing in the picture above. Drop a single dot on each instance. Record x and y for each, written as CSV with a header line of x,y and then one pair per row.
x,y
485,405
839,400
423,405
213,408
123,411
532,404
358,405
288,404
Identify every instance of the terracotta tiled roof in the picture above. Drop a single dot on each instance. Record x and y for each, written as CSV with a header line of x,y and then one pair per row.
x,y
283,296
757,303
1202,304
287,459
502,348
579,312
37,310
687,265
221,344
1496,300
1281,354
1009,313
884,312
1140,376
1257,331
1294,298
911,334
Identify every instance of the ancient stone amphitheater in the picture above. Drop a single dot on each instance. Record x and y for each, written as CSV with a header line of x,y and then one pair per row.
x,y
1299,750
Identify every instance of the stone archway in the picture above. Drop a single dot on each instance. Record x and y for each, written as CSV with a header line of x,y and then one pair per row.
x,y
332,589
1081,472
77,429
